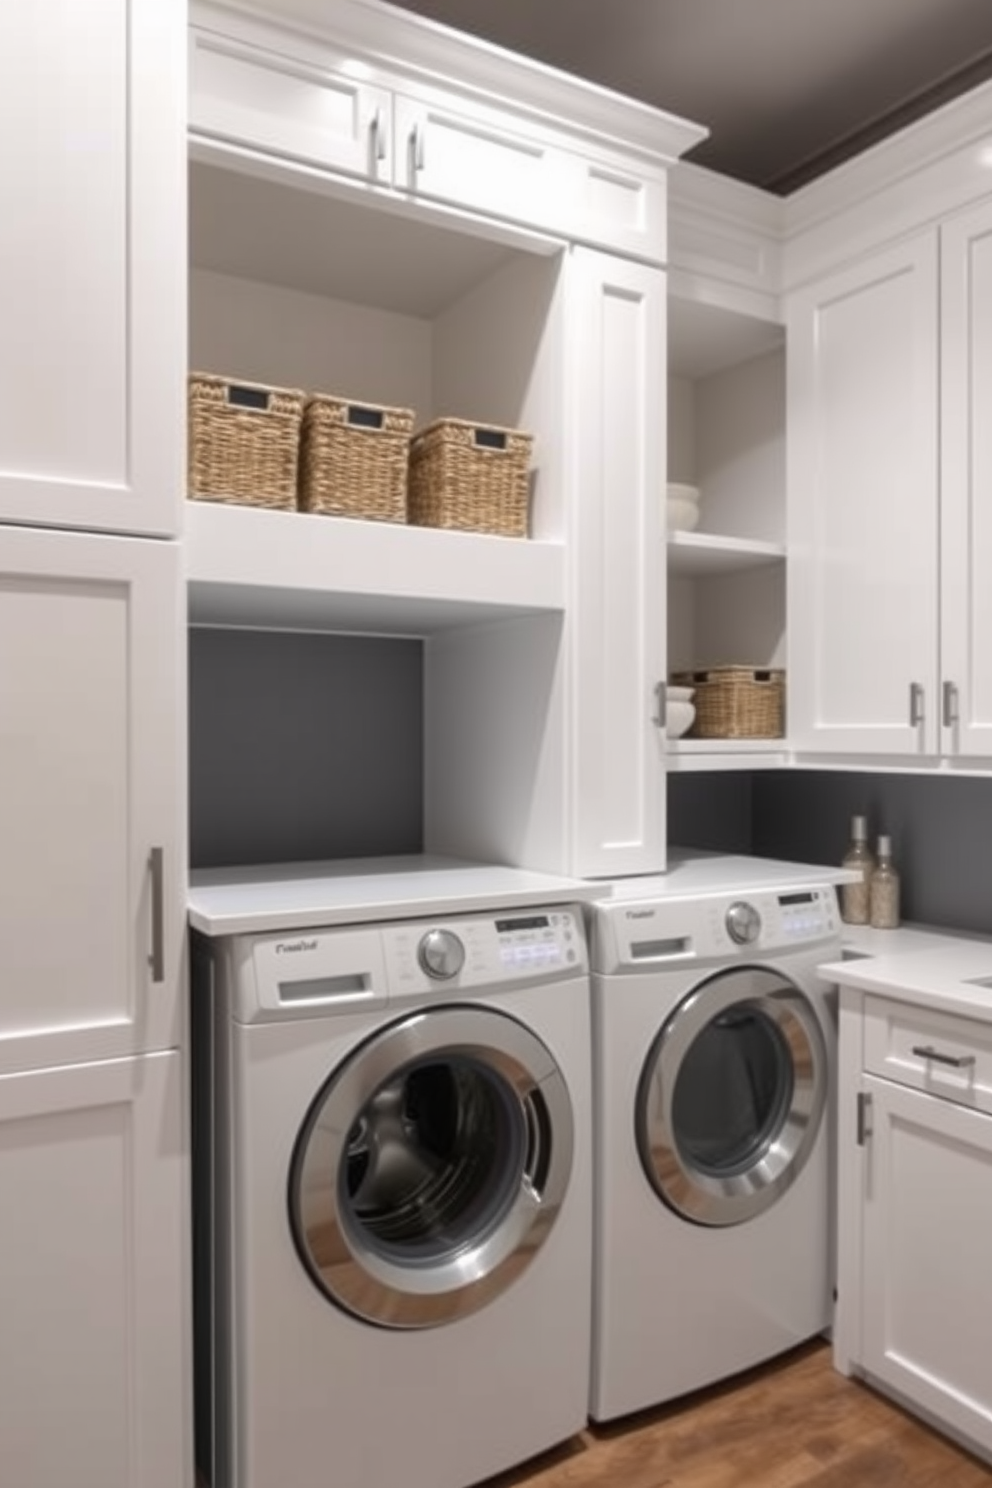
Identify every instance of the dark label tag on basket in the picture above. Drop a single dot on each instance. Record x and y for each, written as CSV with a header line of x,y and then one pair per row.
x,y
247,397
490,439
365,418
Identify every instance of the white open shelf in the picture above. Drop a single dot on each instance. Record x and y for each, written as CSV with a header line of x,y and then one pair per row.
x,y
247,566
702,554
726,754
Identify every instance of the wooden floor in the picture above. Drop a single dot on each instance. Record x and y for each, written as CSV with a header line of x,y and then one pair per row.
x,y
795,1423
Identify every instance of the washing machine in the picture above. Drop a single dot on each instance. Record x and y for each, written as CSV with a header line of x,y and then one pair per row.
x,y
392,1159
714,1052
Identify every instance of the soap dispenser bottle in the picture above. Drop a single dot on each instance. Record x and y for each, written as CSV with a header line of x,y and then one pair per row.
x,y
884,889
855,897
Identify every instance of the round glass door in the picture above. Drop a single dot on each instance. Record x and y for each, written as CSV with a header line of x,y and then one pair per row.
x,y
431,1167
732,1096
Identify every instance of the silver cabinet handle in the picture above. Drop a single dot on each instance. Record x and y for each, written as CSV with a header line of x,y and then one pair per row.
x,y
661,693
950,704
956,1061
417,147
916,700
156,959
864,1117
377,136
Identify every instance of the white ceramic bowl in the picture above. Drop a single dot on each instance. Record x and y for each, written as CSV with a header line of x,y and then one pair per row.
x,y
676,491
679,694
678,718
681,507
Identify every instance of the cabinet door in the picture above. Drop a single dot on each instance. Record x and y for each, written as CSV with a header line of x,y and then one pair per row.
x,y
92,264
617,314
966,480
90,751
863,506
301,107
927,1306
479,160
94,1286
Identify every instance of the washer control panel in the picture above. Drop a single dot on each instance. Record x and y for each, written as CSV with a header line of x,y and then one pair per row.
x,y
633,934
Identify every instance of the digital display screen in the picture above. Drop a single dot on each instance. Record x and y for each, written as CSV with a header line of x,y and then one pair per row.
x,y
527,922
806,898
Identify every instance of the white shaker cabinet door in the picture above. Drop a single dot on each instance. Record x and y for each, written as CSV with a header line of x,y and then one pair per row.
x,y
482,160
863,506
617,461
92,264
92,843
926,1301
966,483
304,104
94,1285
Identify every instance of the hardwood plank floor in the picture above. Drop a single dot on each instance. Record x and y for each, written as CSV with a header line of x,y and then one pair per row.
x,y
793,1423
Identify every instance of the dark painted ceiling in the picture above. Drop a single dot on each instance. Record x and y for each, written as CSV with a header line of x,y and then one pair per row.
x,y
788,88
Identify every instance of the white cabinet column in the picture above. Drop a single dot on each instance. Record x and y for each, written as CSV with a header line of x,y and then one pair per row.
x,y
616,315
92,264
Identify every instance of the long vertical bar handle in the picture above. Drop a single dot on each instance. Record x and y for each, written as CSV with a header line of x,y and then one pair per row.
x,y
377,135
156,959
661,694
864,1116
417,147
915,704
950,704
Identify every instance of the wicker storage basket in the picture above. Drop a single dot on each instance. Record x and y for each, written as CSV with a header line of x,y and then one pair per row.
x,y
736,702
470,477
354,459
243,441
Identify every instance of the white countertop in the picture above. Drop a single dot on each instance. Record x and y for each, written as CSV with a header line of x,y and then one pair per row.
x,y
692,872
918,964
299,896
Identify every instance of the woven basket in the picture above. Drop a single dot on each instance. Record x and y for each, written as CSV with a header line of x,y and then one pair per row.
x,y
736,702
470,478
243,441
354,459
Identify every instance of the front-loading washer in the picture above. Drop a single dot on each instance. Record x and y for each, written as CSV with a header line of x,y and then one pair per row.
x,y
714,1050
392,1159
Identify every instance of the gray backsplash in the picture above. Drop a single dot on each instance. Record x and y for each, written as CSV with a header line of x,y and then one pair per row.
x,y
941,829
303,746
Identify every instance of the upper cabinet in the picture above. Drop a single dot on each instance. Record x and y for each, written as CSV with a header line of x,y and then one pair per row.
x,y
92,356
434,117
890,457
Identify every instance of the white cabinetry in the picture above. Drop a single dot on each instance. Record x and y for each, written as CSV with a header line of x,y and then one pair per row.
x,y
915,1209
90,797
94,1381
440,264
94,1371
617,311
92,279
889,618
421,112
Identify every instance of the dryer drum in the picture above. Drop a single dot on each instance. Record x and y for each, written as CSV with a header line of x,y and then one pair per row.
x,y
731,1096
431,1167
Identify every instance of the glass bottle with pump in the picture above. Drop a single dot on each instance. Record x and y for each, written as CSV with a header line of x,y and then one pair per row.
x,y
855,897
884,889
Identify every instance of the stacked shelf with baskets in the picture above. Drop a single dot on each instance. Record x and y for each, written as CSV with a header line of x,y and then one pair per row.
x,y
726,577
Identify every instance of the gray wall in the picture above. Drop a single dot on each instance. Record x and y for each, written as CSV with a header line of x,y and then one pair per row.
x,y
303,747
941,829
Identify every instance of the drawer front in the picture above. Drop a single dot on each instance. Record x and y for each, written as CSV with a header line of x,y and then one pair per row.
x,y
929,1050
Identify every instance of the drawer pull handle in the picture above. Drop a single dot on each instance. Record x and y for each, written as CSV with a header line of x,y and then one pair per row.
x,y
956,1061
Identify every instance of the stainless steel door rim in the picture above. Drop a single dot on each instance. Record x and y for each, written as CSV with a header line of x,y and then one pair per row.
x,y
443,1232
739,1185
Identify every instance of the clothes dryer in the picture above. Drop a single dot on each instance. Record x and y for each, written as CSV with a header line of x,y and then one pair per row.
x,y
714,1052
392,1155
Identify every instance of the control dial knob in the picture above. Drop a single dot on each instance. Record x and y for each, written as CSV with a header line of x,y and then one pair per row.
x,y
441,954
743,922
